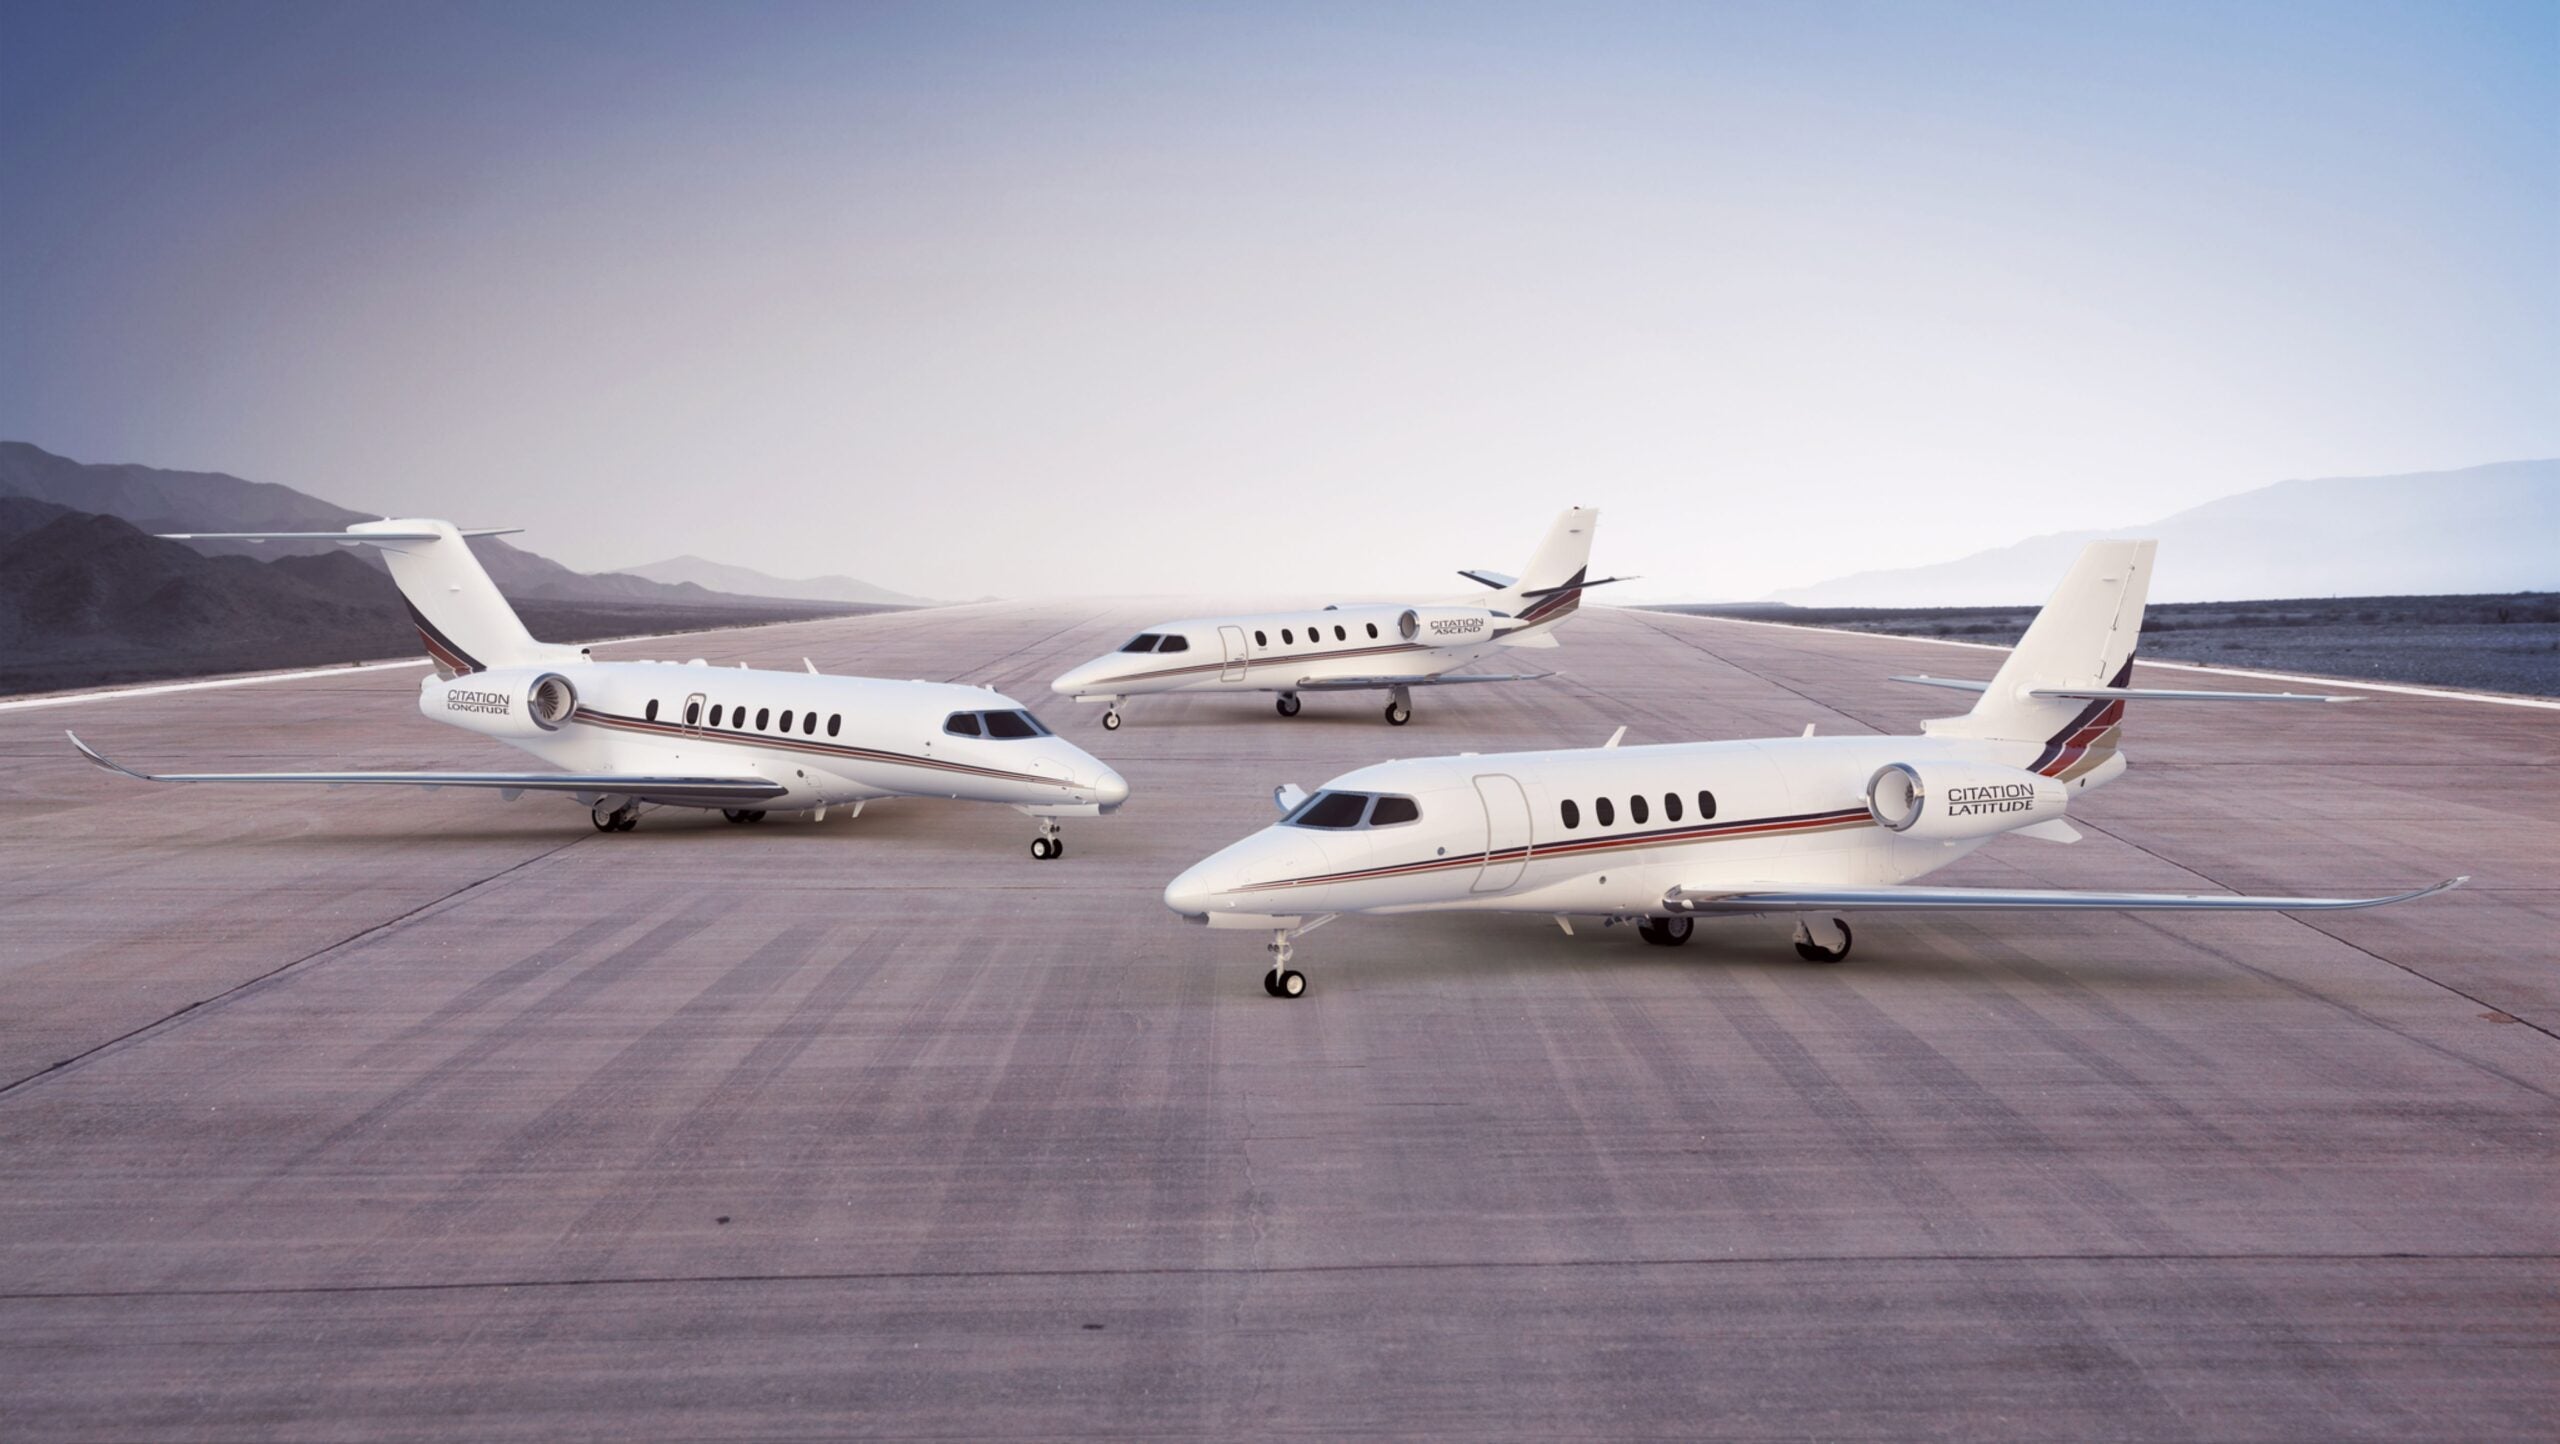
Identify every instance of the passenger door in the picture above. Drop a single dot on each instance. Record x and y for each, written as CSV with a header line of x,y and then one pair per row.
x,y
1506,832
693,713
1232,638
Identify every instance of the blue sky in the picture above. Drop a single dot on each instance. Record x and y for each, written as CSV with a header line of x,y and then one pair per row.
x,y
1050,298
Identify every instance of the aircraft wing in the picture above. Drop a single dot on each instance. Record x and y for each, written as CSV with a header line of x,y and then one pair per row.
x,y
2147,694
707,790
1779,898
1376,684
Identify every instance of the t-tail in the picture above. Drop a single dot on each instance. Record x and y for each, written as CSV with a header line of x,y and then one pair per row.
x,y
2065,686
464,622
1551,589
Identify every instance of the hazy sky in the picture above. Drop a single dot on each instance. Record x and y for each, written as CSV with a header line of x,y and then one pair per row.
x,y
1078,298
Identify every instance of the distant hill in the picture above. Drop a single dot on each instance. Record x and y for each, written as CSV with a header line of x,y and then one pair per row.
x,y
2489,528
157,500
745,581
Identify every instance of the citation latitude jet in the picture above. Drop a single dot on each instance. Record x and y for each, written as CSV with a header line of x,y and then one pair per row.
x,y
628,735
1390,649
1662,835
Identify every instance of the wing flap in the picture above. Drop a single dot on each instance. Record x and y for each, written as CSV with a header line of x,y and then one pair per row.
x,y
1375,684
583,784
1786,898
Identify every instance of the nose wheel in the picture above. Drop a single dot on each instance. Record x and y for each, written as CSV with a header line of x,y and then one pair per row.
x,y
1048,844
1282,981
1288,704
619,819
1814,949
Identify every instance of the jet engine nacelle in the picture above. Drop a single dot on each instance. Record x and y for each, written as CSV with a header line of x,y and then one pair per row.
x,y
1440,626
1958,799
507,702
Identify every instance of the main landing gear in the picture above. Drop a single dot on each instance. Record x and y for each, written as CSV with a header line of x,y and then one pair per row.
x,y
1111,720
1288,704
620,819
742,814
1666,932
1399,707
1282,981
1048,844
1815,947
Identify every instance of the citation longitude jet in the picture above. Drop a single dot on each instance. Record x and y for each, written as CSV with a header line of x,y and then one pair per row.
x,y
1805,826
1390,649
624,735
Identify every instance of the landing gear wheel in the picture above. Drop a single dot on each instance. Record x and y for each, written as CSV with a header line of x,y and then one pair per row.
x,y
756,816
621,819
1111,721
1813,952
1286,983
1288,704
1048,844
1398,714
1271,984
1043,849
1666,932
737,814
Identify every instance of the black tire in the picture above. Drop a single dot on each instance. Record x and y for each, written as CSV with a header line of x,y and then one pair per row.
x,y
756,816
1287,705
1816,953
1271,984
1292,984
625,822
1666,932
1398,714
603,821
1057,848
1040,849
1110,721
734,814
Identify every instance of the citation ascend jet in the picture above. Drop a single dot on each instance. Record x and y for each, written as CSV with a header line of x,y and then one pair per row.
x,y
1658,836
1390,649
635,734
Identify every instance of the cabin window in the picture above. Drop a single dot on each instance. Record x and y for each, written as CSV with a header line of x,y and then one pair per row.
x,y
1331,809
1392,810
808,724
1706,805
1608,814
1340,635
650,711
1373,631
1260,640
1174,643
835,723
786,719
715,714
961,724
1636,810
692,713
1143,642
1287,637
1572,814
1671,806
764,718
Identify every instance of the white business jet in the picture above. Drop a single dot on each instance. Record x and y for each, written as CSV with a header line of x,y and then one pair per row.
x,y
632,734
1661,835
1390,649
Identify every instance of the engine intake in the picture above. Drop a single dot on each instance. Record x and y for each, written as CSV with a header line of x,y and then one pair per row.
x,y
1949,800
552,700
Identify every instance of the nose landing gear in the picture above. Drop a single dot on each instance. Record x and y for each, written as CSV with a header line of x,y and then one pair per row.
x,y
1048,844
1813,950
1282,981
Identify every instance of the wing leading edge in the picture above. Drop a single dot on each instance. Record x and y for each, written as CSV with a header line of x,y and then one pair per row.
x,y
1806,899
704,790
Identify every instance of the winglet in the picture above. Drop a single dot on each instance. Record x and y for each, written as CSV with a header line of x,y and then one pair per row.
x,y
94,755
812,666
1615,738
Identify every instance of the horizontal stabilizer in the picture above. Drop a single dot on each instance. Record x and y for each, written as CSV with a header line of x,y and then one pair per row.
x,y
702,790
1495,580
1782,898
1576,586
2142,694
1952,683
1375,684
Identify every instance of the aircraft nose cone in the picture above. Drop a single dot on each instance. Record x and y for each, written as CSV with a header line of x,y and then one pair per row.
x,y
1189,894
1072,681
1112,789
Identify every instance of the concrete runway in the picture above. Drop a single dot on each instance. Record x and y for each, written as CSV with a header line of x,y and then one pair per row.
x,y
343,1114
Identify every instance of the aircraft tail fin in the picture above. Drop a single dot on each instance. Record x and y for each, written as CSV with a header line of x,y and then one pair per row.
x,y
1550,588
2082,640
462,618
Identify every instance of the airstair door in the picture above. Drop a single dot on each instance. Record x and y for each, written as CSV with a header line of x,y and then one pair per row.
x,y
693,712
1506,832
1232,638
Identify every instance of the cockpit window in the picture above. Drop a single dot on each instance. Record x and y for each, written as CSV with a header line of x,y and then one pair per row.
x,y
1143,642
1014,724
1174,642
1341,810
961,724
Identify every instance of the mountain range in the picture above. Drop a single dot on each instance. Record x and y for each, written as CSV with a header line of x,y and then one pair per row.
x,y
2492,528
745,581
